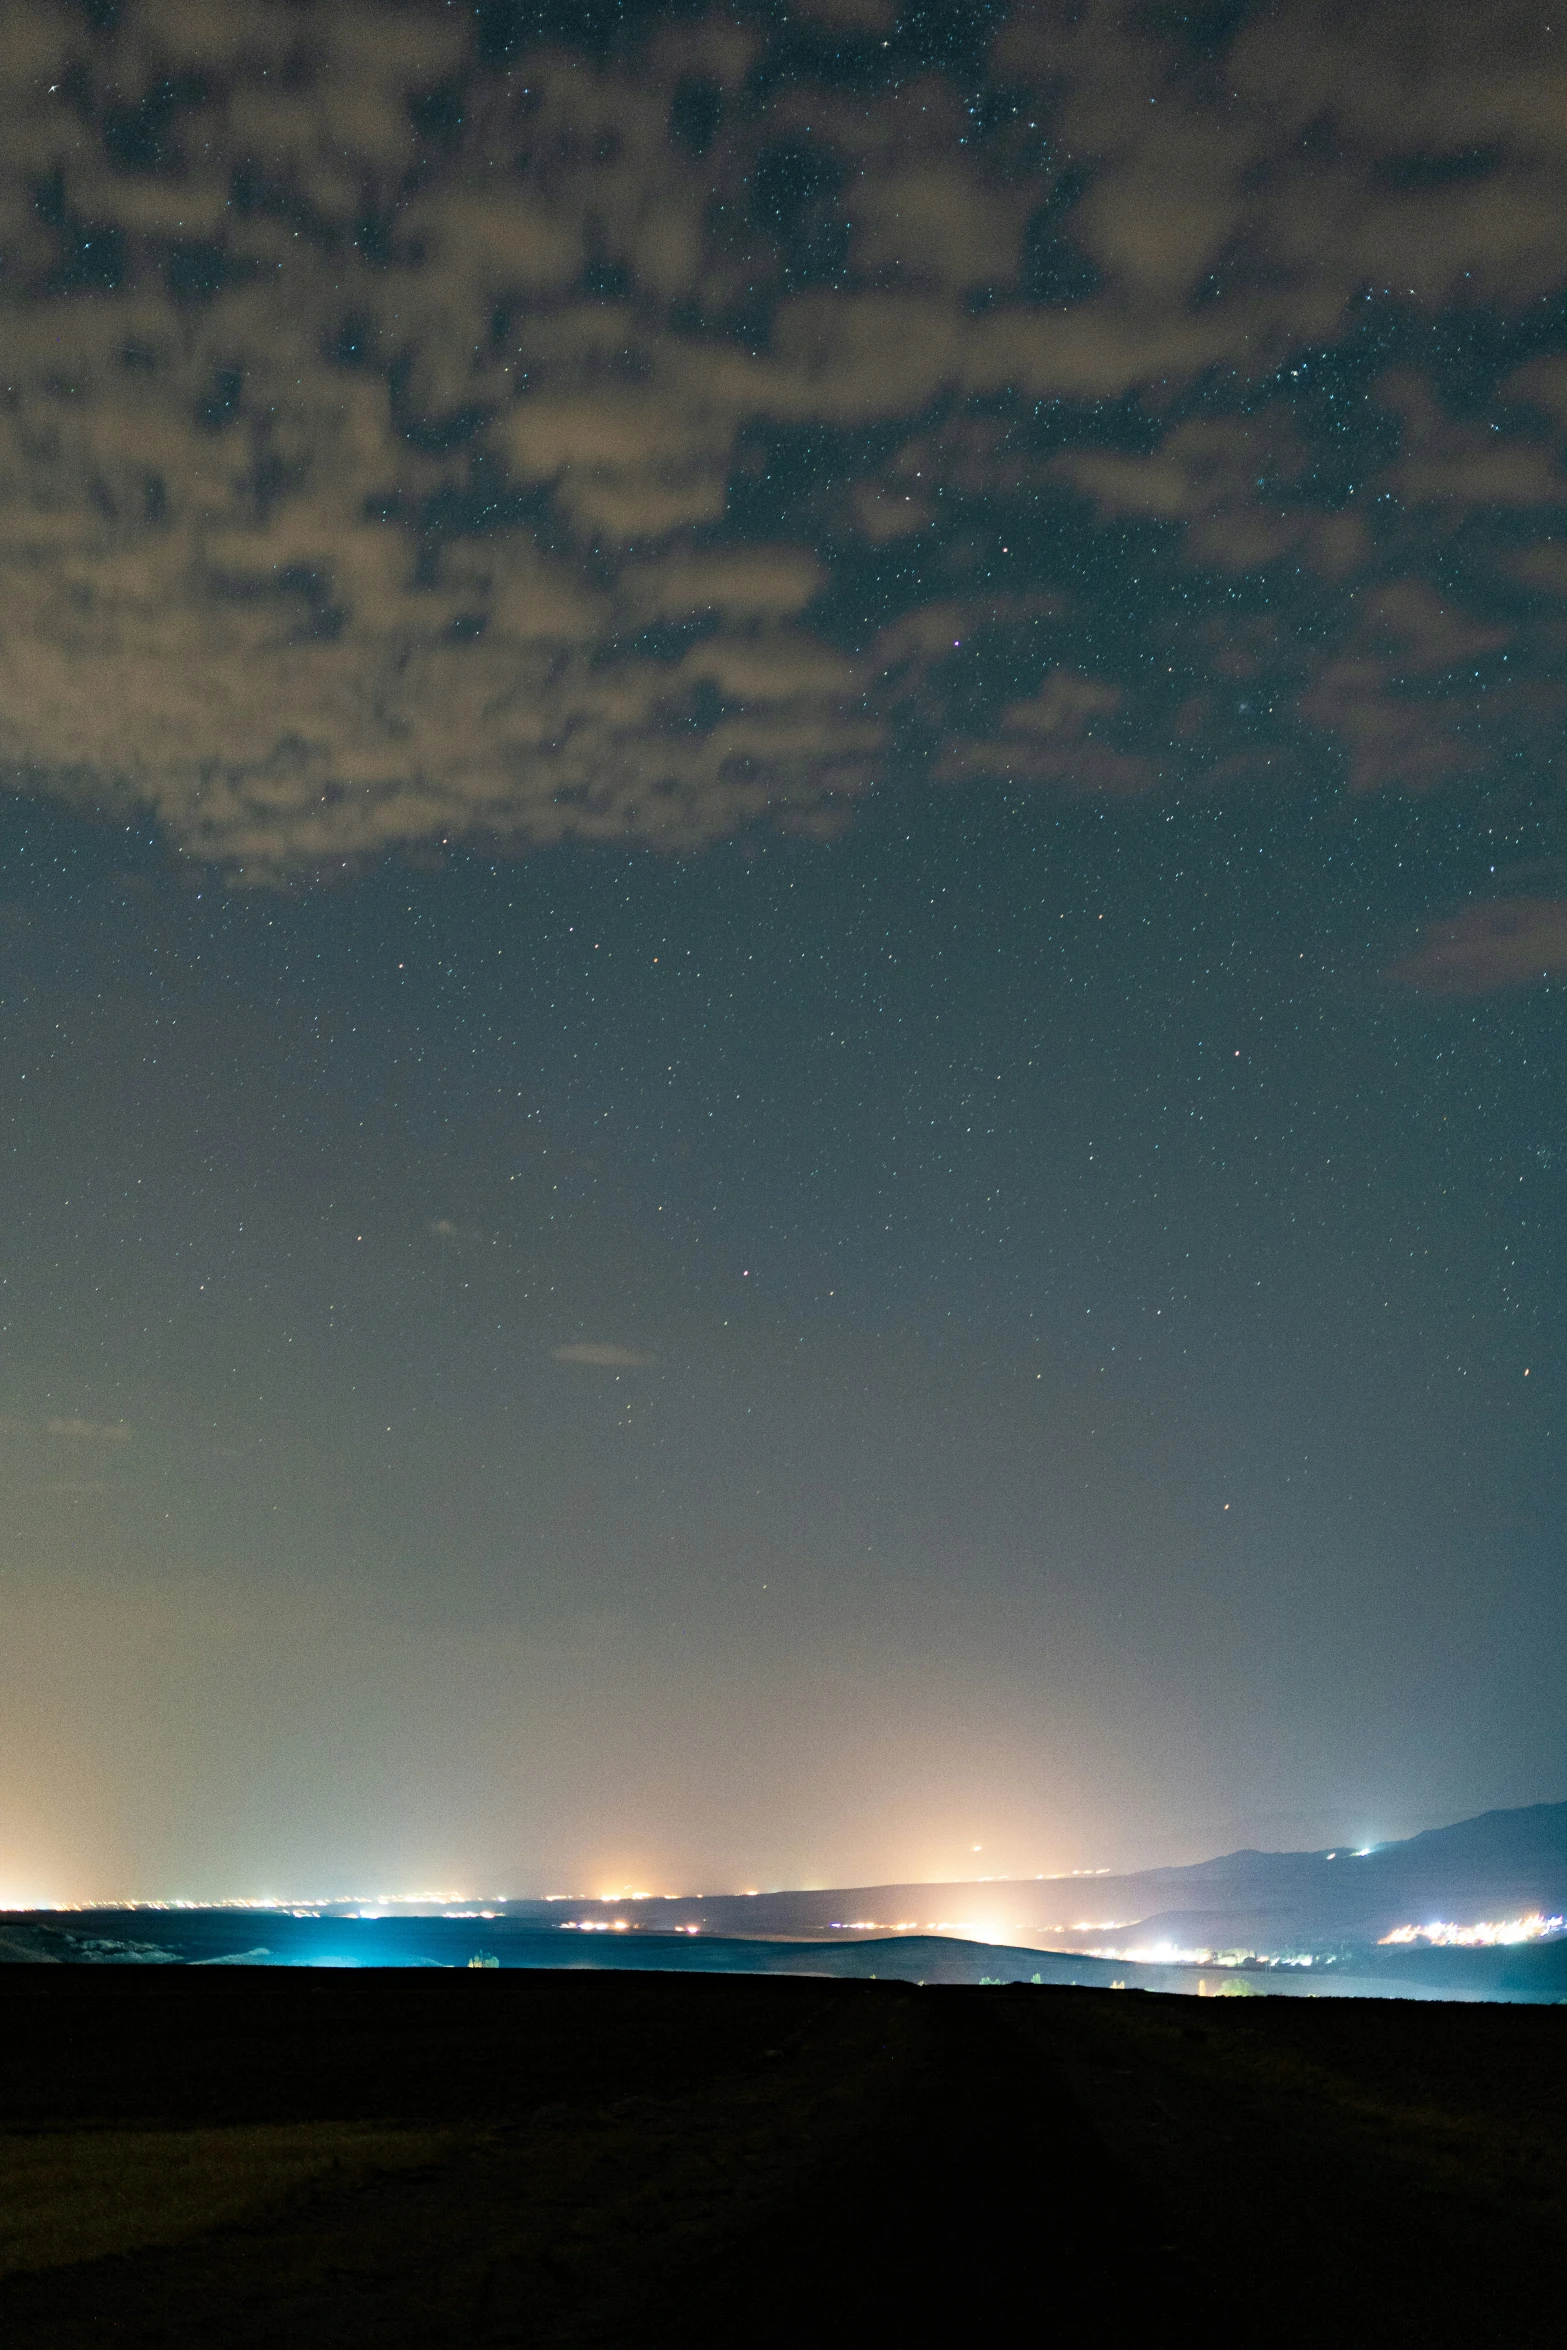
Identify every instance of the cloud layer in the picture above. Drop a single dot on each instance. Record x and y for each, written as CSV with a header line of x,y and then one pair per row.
x,y
417,429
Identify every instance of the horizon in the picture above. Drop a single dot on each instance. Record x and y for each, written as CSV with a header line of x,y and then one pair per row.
x,y
388,1903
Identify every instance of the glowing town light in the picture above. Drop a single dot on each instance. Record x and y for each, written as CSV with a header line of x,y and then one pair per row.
x,y
999,1931
1484,1934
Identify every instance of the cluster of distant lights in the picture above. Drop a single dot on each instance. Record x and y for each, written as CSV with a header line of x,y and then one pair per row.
x,y
891,1926
611,1926
1485,1934
1438,1933
1172,1954
388,1905
377,1905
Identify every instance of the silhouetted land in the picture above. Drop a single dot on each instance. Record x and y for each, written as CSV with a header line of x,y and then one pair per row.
x,y
289,2156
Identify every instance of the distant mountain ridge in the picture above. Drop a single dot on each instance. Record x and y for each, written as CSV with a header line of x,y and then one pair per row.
x,y
1336,1902
1498,1866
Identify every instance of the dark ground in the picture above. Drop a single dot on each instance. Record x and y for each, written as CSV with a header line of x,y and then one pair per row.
x,y
301,2158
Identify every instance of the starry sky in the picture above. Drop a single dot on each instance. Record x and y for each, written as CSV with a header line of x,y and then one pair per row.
x,y
783,932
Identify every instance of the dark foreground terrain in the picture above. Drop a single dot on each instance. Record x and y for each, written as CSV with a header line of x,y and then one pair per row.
x,y
298,2157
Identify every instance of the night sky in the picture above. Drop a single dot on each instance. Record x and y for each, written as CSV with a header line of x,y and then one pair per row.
x,y
783,937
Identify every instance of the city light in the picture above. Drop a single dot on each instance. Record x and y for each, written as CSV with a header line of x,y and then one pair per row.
x,y
1485,1934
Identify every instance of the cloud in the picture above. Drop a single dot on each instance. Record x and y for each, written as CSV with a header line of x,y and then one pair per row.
x,y
409,437
91,1431
1439,169
1390,739
739,583
1206,473
1443,461
597,1357
1054,737
1503,943
1426,633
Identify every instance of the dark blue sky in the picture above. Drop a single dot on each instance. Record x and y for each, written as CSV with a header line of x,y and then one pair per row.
x,y
783,925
